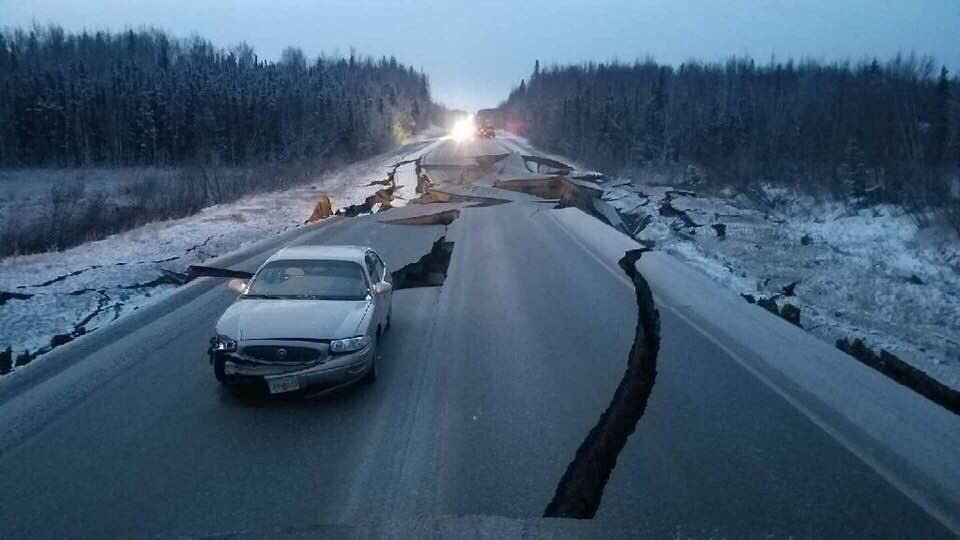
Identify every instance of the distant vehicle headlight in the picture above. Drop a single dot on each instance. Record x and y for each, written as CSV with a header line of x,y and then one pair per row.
x,y
349,345
224,343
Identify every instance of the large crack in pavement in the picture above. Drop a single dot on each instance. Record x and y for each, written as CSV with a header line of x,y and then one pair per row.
x,y
880,360
580,490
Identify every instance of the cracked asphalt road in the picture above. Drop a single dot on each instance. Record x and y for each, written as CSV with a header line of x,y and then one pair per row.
x,y
486,388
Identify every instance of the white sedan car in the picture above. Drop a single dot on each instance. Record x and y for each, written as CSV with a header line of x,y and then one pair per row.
x,y
311,316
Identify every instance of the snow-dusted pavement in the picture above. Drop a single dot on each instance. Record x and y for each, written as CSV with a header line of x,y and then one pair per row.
x,y
65,294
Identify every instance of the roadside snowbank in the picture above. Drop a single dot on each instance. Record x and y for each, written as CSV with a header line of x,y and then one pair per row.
x,y
868,273
75,291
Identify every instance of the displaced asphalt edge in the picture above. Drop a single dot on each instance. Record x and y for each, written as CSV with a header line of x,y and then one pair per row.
x,y
902,372
443,217
580,490
65,356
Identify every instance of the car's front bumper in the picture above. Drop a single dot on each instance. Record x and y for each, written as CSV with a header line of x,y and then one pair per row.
x,y
335,371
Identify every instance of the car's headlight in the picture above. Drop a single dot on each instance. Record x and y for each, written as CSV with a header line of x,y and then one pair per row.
x,y
224,343
349,345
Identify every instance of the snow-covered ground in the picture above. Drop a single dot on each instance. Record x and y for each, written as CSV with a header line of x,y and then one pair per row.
x,y
97,282
868,273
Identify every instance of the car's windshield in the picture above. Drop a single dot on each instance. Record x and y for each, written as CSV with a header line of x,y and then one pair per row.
x,y
309,279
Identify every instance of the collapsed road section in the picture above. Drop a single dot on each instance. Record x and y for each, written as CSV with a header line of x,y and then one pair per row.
x,y
429,271
569,194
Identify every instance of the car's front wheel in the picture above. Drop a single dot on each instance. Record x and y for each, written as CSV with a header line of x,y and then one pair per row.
x,y
371,376
220,369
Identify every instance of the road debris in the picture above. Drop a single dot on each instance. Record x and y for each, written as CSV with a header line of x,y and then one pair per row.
x,y
322,210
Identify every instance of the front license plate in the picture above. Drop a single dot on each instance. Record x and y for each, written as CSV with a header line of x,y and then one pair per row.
x,y
285,384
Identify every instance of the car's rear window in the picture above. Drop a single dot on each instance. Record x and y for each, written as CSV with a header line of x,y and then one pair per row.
x,y
309,279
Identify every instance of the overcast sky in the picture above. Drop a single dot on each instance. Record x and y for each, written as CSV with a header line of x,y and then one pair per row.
x,y
474,52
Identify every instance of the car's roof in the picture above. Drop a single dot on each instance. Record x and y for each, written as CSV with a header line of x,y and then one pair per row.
x,y
321,253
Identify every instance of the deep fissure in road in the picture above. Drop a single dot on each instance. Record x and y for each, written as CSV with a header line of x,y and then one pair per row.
x,y
429,271
580,490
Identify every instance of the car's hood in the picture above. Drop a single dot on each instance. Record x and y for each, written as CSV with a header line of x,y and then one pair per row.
x,y
281,319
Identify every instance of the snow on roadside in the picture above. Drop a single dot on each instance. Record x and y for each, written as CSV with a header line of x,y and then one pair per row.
x,y
97,282
868,273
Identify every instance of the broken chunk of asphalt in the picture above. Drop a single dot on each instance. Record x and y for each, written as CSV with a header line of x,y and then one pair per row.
x,y
383,196
635,222
558,167
569,195
580,490
429,271
787,312
668,210
445,217
893,367
791,314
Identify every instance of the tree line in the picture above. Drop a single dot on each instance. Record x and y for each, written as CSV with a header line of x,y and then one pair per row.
x,y
868,131
141,97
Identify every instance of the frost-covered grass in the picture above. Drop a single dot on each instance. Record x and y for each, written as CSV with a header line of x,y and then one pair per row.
x,y
47,209
869,272
97,282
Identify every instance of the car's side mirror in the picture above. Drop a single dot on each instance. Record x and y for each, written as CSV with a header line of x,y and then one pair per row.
x,y
238,286
382,288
